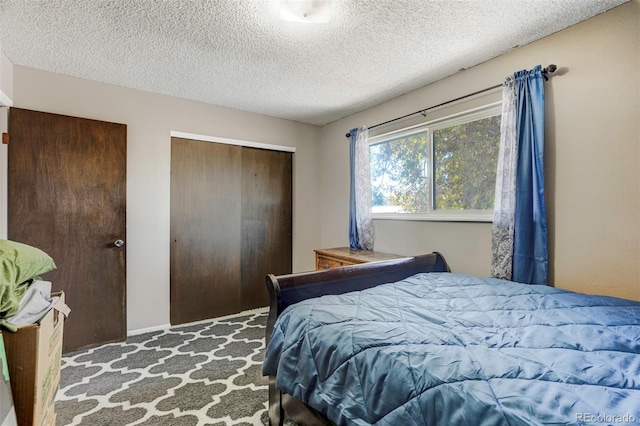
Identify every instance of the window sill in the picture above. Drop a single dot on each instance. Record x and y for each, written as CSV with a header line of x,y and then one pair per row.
x,y
468,216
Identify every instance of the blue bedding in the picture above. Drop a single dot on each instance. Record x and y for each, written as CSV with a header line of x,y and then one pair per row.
x,y
452,349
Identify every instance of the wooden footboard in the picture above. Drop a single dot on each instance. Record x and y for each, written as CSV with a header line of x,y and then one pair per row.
x,y
285,290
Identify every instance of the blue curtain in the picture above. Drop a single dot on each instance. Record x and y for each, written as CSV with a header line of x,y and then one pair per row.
x,y
530,240
354,241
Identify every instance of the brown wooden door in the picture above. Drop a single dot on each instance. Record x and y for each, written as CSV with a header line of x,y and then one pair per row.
x,y
67,196
266,221
230,226
205,230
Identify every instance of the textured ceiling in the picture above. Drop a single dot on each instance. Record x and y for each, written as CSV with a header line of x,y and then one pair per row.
x,y
238,54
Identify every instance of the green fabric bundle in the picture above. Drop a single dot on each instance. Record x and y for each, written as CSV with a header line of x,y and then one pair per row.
x,y
18,264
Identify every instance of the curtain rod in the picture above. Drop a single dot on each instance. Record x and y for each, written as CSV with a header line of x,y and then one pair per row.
x,y
550,69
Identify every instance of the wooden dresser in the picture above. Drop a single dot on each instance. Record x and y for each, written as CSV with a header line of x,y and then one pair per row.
x,y
344,256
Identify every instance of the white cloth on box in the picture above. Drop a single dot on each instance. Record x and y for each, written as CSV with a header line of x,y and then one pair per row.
x,y
35,304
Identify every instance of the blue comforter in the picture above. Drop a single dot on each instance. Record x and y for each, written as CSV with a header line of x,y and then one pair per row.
x,y
452,349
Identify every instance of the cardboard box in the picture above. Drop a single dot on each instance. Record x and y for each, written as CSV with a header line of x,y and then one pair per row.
x,y
7,409
33,357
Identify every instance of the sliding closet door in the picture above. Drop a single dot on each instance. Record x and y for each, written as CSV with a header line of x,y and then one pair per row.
x,y
206,183
266,221
230,227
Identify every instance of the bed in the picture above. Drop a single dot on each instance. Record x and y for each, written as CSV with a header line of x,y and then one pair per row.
x,y
408,342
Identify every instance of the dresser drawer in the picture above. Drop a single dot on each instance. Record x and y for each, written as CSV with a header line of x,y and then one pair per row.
x,y
345,256
324,262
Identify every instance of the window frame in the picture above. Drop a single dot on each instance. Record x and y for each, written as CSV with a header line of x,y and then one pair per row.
x,y
438,215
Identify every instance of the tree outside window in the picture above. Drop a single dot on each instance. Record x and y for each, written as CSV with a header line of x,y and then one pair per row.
x,y
460,155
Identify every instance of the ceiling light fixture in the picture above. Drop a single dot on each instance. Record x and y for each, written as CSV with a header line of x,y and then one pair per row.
x,y
308,11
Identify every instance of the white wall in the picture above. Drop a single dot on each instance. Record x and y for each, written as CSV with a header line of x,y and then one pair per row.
x,y
6,79
592,159
150,118
6,100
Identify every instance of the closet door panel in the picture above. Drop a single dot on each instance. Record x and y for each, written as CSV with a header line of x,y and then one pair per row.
x,y
206,184
266,221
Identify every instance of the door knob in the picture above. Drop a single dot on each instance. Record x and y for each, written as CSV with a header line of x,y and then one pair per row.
x,y
118,243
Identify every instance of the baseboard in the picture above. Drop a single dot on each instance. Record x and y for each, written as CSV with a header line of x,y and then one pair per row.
x,y
239,314
168,326
148,330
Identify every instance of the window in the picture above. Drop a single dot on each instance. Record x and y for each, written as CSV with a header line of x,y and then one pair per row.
x,y
442,170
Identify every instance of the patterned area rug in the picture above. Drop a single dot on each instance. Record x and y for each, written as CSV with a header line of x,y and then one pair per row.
x,y
202,374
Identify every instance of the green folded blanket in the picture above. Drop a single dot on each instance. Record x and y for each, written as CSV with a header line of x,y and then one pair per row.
x,y
19,263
